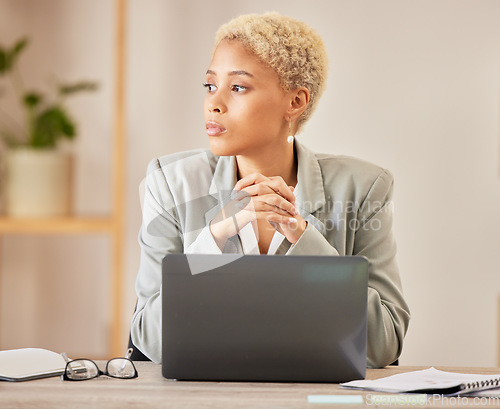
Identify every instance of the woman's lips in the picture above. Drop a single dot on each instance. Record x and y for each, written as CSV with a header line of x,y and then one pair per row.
x,y
214,128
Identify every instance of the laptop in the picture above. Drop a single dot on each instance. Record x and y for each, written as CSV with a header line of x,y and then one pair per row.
x,y
262,318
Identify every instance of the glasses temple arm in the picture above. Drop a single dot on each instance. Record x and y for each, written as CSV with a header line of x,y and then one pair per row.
x,y
128,354
67,360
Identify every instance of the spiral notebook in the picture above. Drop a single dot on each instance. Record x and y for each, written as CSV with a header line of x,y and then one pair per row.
x,y
433,381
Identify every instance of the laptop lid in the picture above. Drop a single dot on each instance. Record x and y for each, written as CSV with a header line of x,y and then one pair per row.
x,y
264,318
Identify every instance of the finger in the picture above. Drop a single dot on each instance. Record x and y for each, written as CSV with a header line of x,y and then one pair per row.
x,y
277,204
267,208
275,183
293,230
274,218
268,187
280,187
250,180
259,189
267,203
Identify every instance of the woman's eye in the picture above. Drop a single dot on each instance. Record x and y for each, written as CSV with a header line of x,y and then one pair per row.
x,y
209,87
238,88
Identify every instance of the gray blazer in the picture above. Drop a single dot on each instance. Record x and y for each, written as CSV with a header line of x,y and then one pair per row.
x,y
346,202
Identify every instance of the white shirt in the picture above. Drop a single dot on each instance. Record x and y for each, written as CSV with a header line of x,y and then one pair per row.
x,y
250,244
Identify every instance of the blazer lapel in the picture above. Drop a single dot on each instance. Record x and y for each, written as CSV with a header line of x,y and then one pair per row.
x,y
221,188
310,192
222,185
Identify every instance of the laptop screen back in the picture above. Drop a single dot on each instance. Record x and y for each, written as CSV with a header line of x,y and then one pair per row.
x,y
264,318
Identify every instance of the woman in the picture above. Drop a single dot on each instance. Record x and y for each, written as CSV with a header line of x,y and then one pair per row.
x,y
260,191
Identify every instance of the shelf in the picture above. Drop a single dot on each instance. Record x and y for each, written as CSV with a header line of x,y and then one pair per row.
x,y
59,225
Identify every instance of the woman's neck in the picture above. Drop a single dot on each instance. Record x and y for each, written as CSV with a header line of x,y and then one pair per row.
x,y
270,164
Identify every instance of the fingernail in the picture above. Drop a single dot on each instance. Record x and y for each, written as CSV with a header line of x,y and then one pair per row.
x,y
292,220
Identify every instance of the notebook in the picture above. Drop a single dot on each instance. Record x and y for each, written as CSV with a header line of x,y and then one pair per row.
x,y
264,318
432,381
30,363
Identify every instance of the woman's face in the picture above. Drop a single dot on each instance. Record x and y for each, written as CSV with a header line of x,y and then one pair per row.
x,y
245,106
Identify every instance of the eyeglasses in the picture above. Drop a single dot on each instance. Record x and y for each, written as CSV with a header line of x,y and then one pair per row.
x,y
83,369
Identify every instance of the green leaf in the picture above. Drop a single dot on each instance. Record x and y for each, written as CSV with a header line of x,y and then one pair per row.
x,y
8,57
14,53
32,99
67,89
19,46
51,125
68,127
3,61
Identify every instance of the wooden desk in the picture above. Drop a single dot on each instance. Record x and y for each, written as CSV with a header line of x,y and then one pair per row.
x,y
151,390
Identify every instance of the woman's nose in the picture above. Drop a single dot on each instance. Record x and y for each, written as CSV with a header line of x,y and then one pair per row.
x,y
216,104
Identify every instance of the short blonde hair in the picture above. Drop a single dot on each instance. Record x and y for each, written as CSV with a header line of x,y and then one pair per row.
x,y
293,49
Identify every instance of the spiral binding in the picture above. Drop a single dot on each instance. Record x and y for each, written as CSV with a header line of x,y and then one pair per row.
x,y
486,384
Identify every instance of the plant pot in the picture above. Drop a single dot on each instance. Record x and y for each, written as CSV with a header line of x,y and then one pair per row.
x,y
38,183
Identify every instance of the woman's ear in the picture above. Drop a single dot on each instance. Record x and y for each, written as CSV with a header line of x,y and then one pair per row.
x,y
299,100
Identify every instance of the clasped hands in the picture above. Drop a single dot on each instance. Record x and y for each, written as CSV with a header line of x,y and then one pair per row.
x,y
257,197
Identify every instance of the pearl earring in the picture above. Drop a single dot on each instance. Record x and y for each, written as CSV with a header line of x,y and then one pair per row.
x,y
290,135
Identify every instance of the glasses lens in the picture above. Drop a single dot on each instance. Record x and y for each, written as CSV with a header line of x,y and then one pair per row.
x,y
121,368
81,369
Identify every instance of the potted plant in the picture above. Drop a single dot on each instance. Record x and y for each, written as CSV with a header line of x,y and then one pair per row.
x,y
38,174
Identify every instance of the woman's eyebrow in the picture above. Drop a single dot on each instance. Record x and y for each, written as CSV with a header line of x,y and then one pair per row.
x,y
232,73
241,72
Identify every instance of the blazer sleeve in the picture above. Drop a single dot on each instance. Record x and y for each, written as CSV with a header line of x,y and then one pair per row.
x,y
388,312
159,234
163,231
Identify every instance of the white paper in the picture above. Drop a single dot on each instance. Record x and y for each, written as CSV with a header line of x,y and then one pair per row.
x,y
427,379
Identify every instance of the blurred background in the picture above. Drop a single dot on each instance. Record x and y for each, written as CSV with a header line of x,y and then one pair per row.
x,y
414,86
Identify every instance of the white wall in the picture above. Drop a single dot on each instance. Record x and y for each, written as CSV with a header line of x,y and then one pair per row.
x,y
414,86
